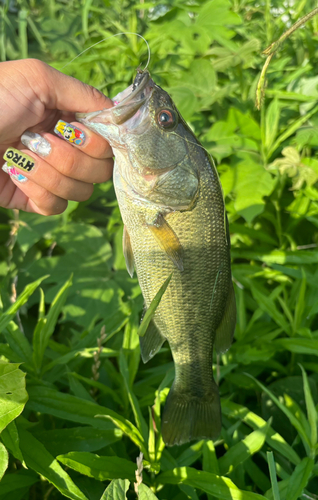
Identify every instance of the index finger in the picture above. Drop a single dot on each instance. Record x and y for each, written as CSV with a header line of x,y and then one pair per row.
x,y
84,139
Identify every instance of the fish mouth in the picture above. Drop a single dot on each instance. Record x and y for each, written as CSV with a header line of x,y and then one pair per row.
x,y
126,103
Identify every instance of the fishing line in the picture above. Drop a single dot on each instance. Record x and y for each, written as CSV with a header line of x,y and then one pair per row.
x,y
112,36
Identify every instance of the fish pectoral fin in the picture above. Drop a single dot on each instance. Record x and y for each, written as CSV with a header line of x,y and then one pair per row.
x,y
167,240
151,342
225,331
128,253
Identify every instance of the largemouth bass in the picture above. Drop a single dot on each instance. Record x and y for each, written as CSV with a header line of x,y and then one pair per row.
x,y
172,207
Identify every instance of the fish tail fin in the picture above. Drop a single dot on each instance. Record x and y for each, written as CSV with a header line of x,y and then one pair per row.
x,y
187,417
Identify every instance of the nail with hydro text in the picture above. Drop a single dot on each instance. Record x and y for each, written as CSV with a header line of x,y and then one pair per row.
x,y
16,158
14,173
70,133
36,143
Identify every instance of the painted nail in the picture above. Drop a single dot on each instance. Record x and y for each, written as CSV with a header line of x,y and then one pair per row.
x,y
70,133
36,143
14,173
16,158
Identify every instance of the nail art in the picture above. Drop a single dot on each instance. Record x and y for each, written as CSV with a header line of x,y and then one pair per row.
x,y
70,133
14,173
16,158
36,143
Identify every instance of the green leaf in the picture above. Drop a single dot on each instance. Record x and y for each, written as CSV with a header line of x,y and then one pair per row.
x,y
218,486
267,305
18,342
4,460
311,413
139,419
10,483
10,438
271,122
275,440
8,316
60,441
241,451
299,479
152,308
101,468
116,490
145,493
39,459
273,476
45,327
13,395
294,420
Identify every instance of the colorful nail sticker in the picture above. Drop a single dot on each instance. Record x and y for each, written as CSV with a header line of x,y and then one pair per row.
x,y
14,173
15,158
36,143
69,132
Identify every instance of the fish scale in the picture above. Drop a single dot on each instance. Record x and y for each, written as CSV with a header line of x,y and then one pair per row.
x,y
172,206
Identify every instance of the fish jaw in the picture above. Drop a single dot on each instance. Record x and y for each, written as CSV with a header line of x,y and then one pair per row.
x,y
128,115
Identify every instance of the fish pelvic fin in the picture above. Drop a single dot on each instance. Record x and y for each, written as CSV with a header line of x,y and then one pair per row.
x,y
167,240
128,253
225,331
151,342
186,418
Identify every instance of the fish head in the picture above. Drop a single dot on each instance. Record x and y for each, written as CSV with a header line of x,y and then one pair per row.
x,y
145,124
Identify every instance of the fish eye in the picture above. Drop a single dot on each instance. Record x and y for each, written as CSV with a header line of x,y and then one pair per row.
x,y
166,118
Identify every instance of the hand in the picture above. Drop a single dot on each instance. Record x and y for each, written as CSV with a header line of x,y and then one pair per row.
x,y
55,169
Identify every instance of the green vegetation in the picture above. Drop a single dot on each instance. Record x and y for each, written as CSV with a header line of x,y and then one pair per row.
x,y
89,405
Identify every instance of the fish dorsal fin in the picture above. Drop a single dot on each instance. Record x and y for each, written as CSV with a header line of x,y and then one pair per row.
x,y
151,342
167,240
128,253
225,330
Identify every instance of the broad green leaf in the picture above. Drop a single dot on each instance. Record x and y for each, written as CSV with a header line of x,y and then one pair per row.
x,y
43,332
101,468
252,184
271,122
298,345
299,479
152,308
11,482
39,459
241,451
10,438
145,493
13,395
311,413
4,460
60,441
273,476
218,486
8,315
116,490
275,440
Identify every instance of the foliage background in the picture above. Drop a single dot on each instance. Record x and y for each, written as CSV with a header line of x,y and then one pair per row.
x,y
207,55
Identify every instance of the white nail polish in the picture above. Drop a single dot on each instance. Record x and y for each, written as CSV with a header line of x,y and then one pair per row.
x,y
14,173
36,143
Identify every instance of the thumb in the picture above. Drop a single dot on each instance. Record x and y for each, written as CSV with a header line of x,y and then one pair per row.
x,y
69,94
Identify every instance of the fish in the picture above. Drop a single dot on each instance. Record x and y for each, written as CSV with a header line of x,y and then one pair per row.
x,y
175,223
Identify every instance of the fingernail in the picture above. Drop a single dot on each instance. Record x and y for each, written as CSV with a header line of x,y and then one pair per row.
x,y
14,173
70,133
16,158
36,143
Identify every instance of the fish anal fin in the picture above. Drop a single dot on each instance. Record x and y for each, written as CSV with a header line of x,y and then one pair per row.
x,y
128,253
167,240
151,342
225,331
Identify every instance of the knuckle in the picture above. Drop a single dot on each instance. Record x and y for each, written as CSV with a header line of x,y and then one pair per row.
x,y
95,94
83,194
50,204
